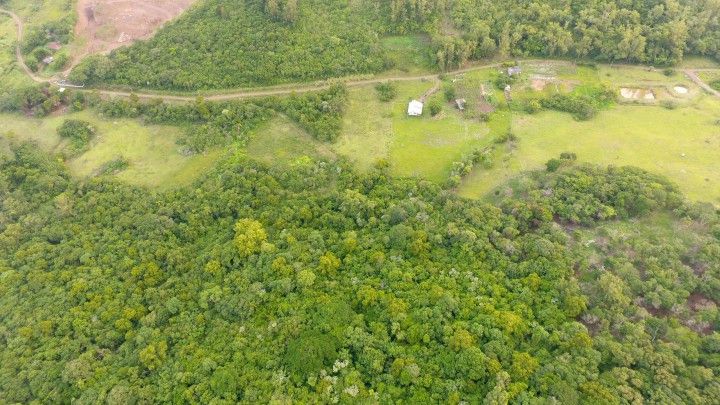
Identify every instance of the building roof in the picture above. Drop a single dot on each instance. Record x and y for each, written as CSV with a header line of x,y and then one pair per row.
x,y
48,60
55,46
460,103
415,108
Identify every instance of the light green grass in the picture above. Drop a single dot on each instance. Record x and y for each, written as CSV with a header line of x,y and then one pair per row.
x,y
698,62
282,142
38,12
427,146
409,53
414,146
653,138
151,150
11,75
621,75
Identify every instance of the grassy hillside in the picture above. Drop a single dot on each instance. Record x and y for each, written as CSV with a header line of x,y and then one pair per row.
x,y
681,144
151,151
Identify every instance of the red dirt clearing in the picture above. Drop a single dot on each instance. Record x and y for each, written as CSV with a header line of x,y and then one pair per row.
x,y
104,25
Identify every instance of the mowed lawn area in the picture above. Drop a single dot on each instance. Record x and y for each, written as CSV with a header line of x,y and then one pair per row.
x,y
153,155
682,144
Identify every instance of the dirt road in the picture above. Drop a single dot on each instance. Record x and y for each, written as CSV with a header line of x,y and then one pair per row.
x,y
285,89
18,52
692,74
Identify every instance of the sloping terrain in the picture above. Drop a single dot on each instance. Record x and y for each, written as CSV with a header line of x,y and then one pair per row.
x,y
104,25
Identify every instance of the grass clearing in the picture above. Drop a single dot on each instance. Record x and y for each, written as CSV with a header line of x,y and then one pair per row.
x,y
282,142
415,146
409,53
151,150
682,144
11,75
427,146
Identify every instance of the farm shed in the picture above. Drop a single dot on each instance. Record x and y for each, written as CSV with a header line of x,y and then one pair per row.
x,y
415,109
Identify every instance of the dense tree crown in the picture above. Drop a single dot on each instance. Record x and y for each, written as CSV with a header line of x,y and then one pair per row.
x,y
229,43
315,284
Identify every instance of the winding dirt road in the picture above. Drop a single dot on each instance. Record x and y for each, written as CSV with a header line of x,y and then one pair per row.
x,y
692,74
18,52
281,90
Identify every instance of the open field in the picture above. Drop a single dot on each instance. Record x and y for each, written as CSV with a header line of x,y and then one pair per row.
x,y
151,150
682,144
415,146
282,142
409,53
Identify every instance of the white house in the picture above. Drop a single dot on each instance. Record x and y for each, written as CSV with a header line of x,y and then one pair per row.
x,y
415,109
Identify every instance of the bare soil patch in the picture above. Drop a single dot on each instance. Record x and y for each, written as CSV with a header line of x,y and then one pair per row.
x,y
637,94
104,25
682,90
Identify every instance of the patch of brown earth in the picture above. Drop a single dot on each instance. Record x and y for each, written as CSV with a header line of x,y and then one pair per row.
x,y
698,302
104,25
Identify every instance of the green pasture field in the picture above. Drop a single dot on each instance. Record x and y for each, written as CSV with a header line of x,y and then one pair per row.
x,y
682,144
154,157
282,142
414,146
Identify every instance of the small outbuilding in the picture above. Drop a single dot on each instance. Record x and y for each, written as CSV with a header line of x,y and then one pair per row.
x,y
55,46
415,109
514,71
460,103
48,60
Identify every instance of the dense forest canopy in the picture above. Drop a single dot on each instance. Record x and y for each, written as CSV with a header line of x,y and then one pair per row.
x,y
228,43
317,284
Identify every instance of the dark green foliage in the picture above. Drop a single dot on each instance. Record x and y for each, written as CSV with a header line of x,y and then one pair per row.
x,y
586,194
503,80
34,44
318,113
715,84
465,166
566,159
211,124
310,352
449,92
357,289
583,103
507,137
58,31
115,166
79,133
386,91
226,44
553,165
435,107
39,100
654,32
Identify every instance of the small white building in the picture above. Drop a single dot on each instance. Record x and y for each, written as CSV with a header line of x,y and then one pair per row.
x,y
415,109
